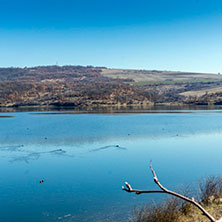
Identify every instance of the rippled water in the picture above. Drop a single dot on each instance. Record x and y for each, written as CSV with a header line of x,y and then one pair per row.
x,y
84,159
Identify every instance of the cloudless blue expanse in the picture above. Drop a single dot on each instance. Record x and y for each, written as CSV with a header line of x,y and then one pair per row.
x,y
181,35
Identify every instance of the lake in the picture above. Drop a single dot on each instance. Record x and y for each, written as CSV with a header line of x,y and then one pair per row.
x,y
84,159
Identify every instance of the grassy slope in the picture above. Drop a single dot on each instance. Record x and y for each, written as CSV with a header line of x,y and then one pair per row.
x,y
150,76
187,85
195,215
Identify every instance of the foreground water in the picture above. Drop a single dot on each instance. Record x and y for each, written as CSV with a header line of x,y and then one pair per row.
x,y
84,159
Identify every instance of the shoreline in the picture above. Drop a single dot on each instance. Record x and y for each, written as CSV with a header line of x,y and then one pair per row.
x,y
110,108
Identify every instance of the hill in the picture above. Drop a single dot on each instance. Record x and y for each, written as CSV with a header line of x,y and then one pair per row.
x,y
79,86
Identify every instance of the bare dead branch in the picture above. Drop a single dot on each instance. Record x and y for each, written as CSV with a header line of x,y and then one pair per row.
x,y
129,189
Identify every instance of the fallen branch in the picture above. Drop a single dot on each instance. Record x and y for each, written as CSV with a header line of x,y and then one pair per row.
x,y
129,189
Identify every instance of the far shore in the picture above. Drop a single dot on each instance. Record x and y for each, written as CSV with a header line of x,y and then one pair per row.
x,y
108,108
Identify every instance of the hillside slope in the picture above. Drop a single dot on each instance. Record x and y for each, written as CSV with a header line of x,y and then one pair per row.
x,y
78,86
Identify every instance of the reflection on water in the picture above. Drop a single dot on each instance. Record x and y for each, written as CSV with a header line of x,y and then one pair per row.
x,y
17,148
27,155
109,109
36,155
84,160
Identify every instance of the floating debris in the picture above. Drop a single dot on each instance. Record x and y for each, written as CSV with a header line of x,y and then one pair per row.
x,y
58,152
107,147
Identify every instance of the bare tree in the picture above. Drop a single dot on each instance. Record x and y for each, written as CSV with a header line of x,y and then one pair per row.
x,y
129,189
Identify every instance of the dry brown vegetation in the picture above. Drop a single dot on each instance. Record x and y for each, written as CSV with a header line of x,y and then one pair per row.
x,y
78,86
176,210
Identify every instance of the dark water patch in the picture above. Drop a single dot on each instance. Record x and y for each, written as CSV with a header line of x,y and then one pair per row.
x,y
6,116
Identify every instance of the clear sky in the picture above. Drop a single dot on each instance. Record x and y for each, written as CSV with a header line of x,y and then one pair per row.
x,y
183,35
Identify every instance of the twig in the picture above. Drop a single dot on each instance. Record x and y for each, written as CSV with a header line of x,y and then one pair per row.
x,y
164,190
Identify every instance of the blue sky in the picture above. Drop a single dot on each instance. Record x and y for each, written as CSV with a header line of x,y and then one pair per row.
x,y
183,35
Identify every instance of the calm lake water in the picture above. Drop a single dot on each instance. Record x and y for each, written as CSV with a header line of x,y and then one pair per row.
x,y
84,159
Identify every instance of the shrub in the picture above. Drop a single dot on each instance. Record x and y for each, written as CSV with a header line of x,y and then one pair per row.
x,y
171,209
210,188
168,211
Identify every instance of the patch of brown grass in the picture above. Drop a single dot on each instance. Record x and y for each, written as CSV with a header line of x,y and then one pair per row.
x,y
176,210
168,211
210,188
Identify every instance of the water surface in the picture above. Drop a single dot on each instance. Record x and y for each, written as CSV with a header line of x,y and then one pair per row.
x,y
84,160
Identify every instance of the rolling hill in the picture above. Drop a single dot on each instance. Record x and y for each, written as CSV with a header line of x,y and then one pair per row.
x,y
79,86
